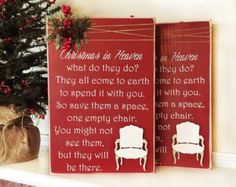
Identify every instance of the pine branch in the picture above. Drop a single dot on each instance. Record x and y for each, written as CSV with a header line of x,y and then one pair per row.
x,y
23,24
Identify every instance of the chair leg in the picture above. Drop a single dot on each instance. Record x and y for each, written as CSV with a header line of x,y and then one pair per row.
x,y
174,152
121,161
197,156
178,155
117,163
202,155
140,161
144,163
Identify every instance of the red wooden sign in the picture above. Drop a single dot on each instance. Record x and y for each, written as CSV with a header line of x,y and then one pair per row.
x,y
183,95
101,100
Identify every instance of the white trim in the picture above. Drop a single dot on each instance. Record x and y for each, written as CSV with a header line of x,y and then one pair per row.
x,y
224,160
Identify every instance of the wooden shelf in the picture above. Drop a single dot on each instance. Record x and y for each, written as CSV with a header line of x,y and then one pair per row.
x,y
36,173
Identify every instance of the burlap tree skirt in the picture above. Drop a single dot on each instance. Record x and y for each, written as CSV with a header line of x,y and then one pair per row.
x,y
4,183
19,139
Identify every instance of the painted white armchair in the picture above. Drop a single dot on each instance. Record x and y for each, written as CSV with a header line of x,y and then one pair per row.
x,y
131,145
188,141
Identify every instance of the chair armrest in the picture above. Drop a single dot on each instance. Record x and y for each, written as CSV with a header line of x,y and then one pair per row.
x,y
174,139
145,145
201,138
117,142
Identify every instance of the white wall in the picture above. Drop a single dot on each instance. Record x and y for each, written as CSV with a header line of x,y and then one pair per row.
x,y
223,15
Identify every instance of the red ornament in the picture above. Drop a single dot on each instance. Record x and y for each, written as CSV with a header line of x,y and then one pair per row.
x,y
28,21
3,83
67,45
7,90
67,23
2,2
7,40
24,83
66,10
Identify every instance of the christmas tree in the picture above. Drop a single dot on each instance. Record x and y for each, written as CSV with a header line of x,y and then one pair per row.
x,y
23,54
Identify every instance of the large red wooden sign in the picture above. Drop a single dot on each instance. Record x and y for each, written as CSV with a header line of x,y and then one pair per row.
x,y
101,100
183,94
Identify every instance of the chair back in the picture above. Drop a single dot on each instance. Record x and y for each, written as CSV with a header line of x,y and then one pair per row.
x,y
187,132
131,136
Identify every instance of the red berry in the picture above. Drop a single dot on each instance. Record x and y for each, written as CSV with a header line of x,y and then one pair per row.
x,y
67,23
42,116
7,40
24,83
28,21
51,1
66,10
2,2
67,45
32,111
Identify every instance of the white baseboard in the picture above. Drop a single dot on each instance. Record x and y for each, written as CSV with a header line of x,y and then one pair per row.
x,y
223,160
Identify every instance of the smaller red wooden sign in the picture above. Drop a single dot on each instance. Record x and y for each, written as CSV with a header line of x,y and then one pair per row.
x,y
101,100
183,94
